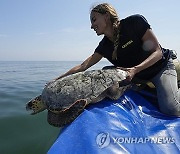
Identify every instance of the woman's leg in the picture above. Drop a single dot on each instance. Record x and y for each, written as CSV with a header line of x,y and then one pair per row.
x,y
108,67
167,90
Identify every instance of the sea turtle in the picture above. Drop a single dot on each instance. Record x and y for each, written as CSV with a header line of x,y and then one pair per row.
x,y
66,97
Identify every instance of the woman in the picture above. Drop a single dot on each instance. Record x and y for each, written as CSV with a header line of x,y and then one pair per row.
x,y
131,45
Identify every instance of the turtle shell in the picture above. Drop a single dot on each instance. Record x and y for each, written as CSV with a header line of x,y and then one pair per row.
x,y
61,94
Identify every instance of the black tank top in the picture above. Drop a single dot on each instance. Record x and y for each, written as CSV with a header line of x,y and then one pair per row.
x,y
130,51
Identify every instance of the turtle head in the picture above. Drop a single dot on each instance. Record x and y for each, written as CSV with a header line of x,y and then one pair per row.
x,y
35,105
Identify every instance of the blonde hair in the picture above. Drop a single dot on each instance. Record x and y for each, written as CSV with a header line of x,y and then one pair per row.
x,y
107,8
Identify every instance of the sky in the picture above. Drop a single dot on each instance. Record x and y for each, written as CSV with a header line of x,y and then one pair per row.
x,y
59,30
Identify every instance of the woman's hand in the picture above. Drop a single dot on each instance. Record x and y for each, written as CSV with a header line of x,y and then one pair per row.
x,y
131,72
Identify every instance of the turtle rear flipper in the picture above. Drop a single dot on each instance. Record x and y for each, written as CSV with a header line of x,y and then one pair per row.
x,y
67,116
36,105
115,91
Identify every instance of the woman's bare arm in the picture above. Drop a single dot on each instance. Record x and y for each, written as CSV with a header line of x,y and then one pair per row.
x,y
90,61
150,41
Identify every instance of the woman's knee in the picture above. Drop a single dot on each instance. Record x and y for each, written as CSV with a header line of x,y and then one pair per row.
x,y
171,111
108,67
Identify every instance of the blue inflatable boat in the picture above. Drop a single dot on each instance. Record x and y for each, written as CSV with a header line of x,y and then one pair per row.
x,y
129,125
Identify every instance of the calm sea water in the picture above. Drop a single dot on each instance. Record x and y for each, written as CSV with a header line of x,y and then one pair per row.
x,y
21,133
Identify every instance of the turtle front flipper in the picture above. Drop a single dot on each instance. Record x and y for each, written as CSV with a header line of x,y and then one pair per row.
x,y
66,116
36,105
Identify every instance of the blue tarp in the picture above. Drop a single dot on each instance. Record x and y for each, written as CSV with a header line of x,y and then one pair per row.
x,y
129,125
